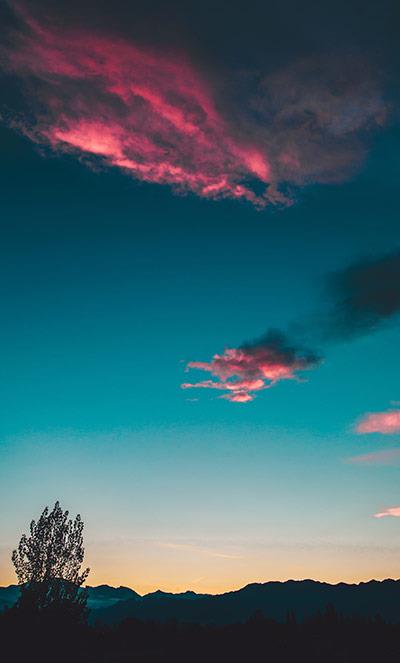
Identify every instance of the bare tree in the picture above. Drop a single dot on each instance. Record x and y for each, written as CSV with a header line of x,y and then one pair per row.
x,y
48,564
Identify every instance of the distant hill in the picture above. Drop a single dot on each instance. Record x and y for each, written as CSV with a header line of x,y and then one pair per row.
x,y
104,596
8,596
275,599
99,597
158,595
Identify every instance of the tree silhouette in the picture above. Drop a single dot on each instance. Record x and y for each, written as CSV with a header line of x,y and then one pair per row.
x,y
48,563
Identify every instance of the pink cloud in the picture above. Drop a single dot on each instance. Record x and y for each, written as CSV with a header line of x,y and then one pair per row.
x,y
386,457
387,423
251,368
149,114
154,115
239,397
390,511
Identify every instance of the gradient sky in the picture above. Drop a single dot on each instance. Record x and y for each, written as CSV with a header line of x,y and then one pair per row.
x,y
111,285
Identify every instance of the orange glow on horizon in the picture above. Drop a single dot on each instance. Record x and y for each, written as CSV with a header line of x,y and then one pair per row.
x,y
200,571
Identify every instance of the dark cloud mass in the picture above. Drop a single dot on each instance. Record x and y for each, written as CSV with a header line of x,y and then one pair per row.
x,y
365,295
314,116
254,129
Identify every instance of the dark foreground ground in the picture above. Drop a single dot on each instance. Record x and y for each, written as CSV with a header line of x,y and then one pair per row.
x,y
325,638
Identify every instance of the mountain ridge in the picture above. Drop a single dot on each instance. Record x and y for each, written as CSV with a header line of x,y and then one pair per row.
x,y
274,598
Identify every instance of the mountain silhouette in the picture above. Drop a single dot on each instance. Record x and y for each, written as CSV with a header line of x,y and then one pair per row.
x,y
8,596
305,598
102,596
159,595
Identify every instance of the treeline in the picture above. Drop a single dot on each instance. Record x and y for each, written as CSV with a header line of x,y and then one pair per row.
x,y
326,638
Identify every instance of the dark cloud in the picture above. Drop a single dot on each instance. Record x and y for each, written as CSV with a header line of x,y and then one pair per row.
x,y
366,295
130,93
314,116
251,32
284,352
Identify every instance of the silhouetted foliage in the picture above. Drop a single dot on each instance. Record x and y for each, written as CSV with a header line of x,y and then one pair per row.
x,y
327,637
48,563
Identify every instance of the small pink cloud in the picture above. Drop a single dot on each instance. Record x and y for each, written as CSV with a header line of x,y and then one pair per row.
x,y
387,423
393,511
239,397
253,367
386,457
238,391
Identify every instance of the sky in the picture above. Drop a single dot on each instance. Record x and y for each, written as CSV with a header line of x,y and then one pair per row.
x,y
200,287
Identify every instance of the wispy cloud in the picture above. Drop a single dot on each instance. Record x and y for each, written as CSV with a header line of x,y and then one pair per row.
x,y
385,457
253,367
387,423
198,550
157,116
393,511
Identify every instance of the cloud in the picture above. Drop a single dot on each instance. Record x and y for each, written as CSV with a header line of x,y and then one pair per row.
x,y
366,295
390,511
387,423
150,114
361,297
386,457
156,116
253,367
313,114
199,550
